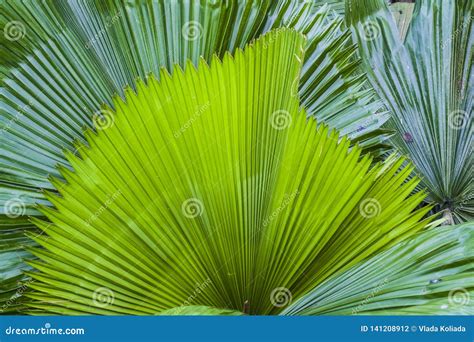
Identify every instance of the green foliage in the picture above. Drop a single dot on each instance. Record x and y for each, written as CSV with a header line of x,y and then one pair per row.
x,y
63,60
212,187
198,311
150,166
426,83
430,274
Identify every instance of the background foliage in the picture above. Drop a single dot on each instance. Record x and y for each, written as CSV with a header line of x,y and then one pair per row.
x,y
64,66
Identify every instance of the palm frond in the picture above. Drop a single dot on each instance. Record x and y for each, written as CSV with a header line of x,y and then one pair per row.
x,y
195,310
63,60
424,82
431,274
214,180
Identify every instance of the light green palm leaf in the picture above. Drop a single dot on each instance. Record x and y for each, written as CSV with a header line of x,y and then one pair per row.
x,y
215,179
74,56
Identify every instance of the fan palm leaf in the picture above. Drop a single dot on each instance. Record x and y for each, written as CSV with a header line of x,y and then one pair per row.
x,y
430,274
194,310
63,60
426,83
215,180
427,275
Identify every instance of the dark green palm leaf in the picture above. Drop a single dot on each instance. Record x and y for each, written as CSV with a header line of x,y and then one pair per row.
x,y
431,274
426,83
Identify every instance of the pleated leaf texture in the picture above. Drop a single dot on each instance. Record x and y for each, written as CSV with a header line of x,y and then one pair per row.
x,y
211,187
426,82
63,59
429,274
